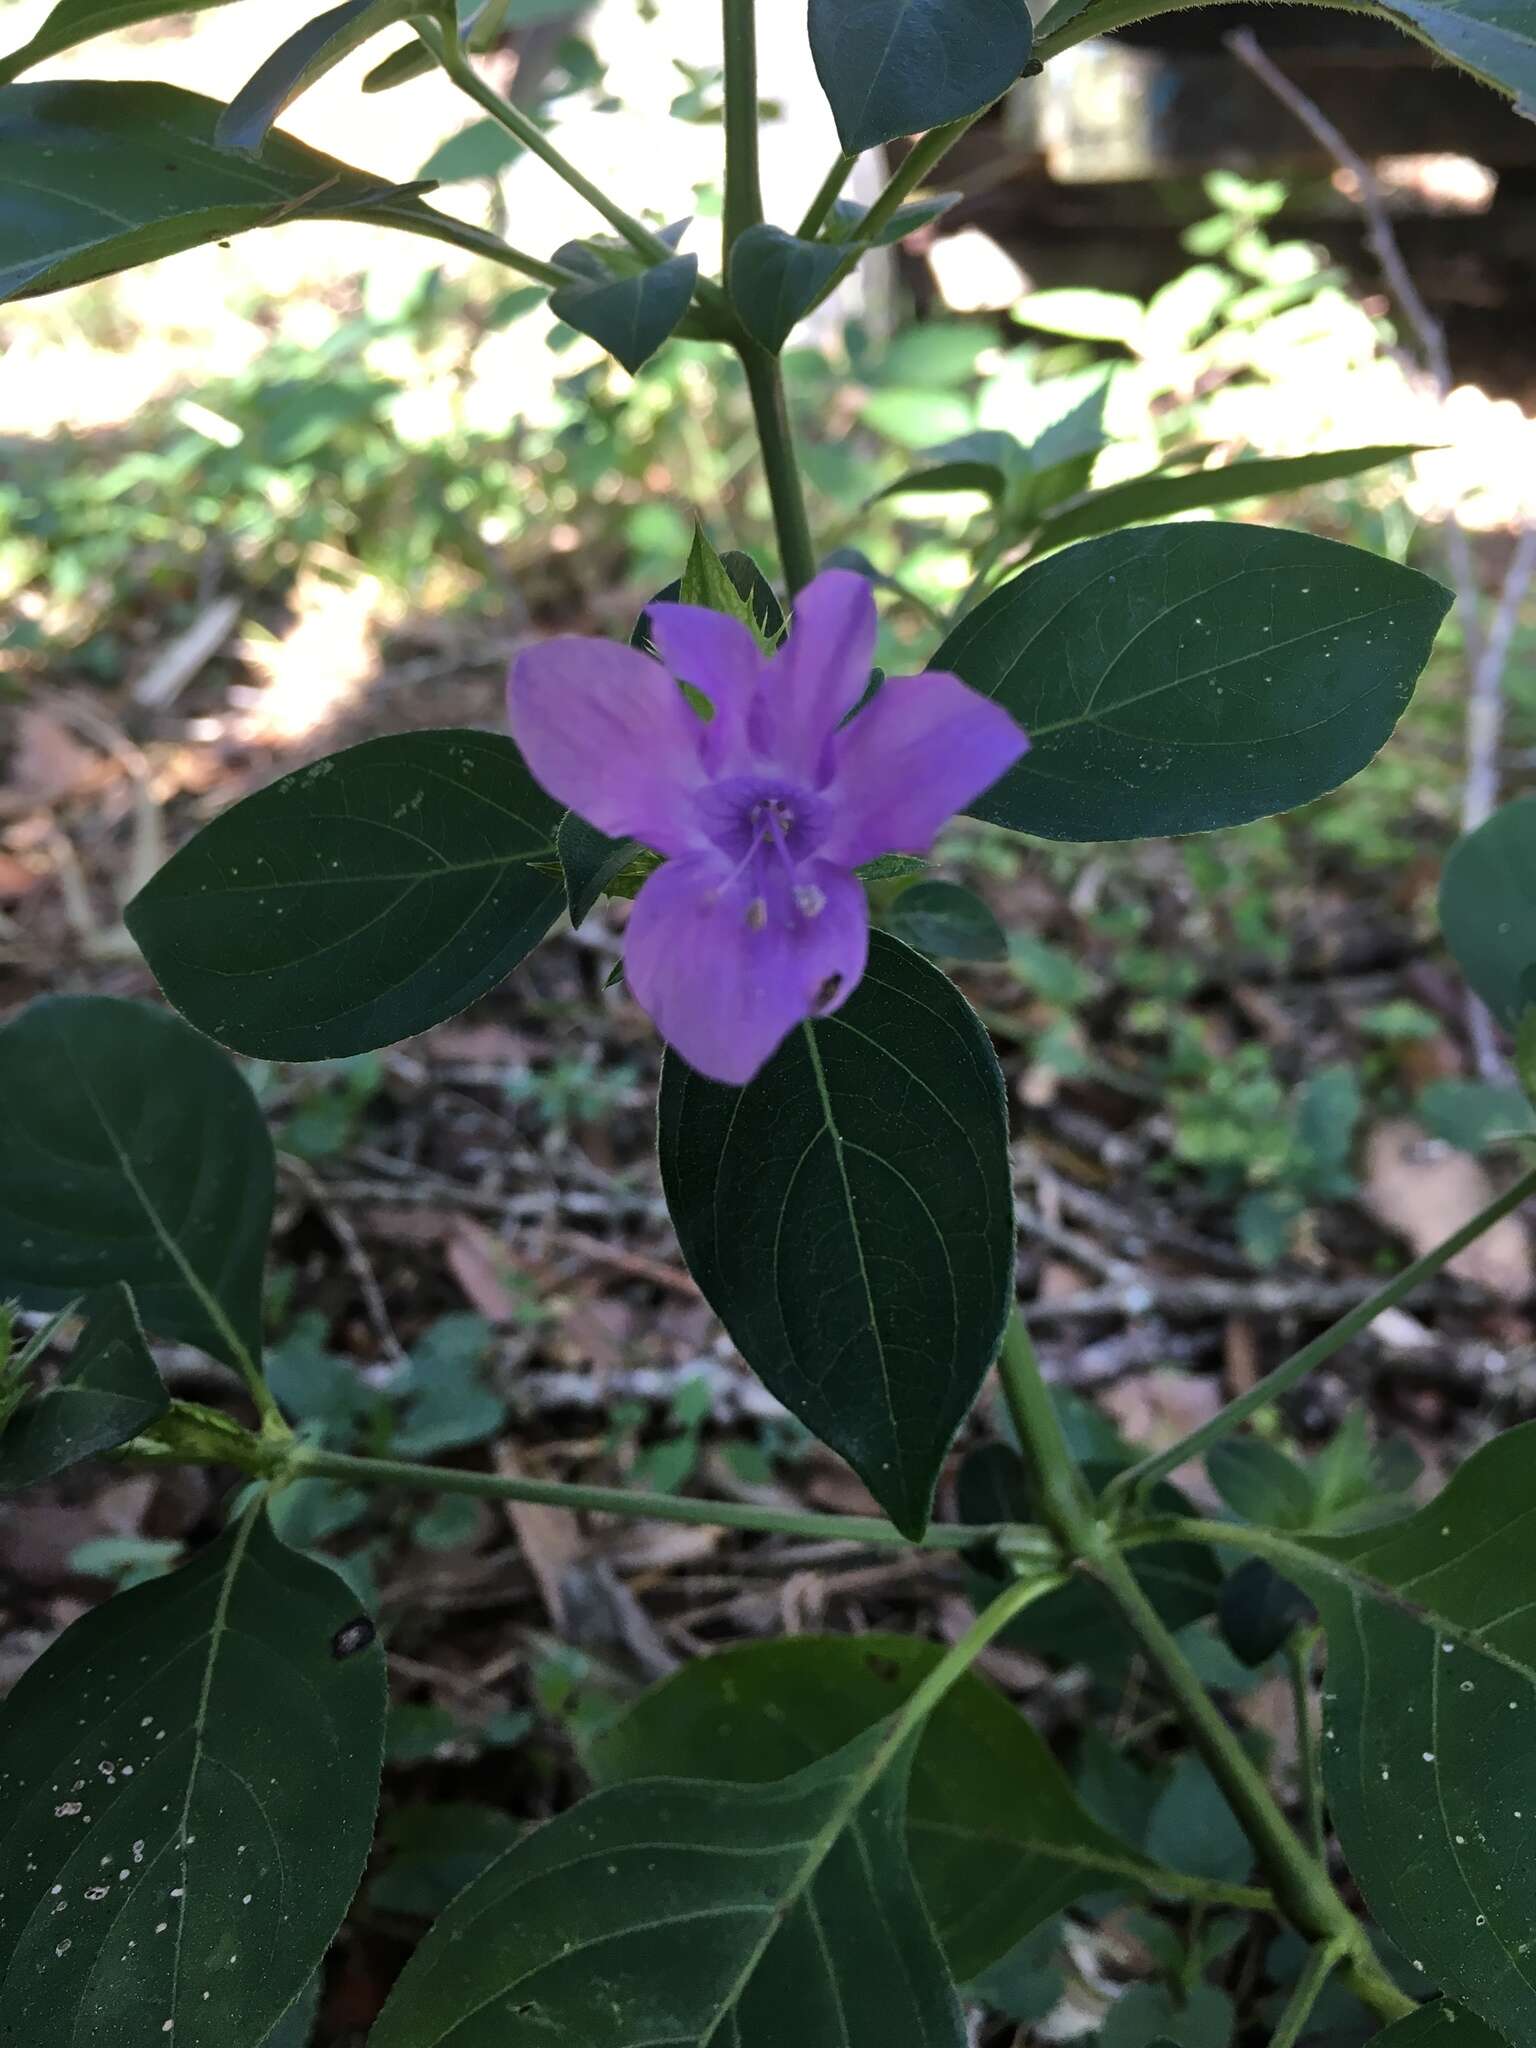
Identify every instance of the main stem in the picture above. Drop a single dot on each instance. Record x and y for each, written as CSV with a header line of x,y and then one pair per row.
x,y
1300,1883
766,384
743,189
1139,1477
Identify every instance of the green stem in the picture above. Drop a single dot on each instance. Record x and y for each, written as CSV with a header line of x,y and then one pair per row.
x,y
816,214
1298,1657
991,554
957,1660
1321,1965
919,160
1141,1476
791,522
307,1463
743,188
1300,1883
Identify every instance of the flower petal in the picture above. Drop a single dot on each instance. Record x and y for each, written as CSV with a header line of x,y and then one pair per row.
x,y
724,989
820,673
720,657
607,731
924,747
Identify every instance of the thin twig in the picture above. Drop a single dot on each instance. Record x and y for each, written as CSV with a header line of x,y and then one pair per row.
x,y
358,1262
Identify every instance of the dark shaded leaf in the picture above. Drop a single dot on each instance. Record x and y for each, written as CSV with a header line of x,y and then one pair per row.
x,y
78,21
775,278
1156,497
307,55
1193,1827
849,1216
589,860
987,460
998,1839
133,1152
1496,39
630,316
108,1392
101,176
846,220
358,900
1260,1483
749,1914
1258,1612
189,1784
1180,678
897,67
1488,908
1441,2025
1475,1115
947,922
482,150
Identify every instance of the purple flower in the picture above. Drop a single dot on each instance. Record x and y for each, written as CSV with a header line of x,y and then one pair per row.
x,y
757,920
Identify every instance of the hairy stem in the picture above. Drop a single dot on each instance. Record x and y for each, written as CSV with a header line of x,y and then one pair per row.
x,y
1147,1473
743,188
1300,1882
791,522
305,1463
820,208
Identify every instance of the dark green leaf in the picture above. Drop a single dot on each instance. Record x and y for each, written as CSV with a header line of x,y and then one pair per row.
x,y
1488,908
306,56
589,860
434,1851
1156,497
998,1840
1430,1751
190,1777
78,21
296,2028
108,1392
630,316
1258,1612
135,1152
987,460
101,176
750,582
1148,2013
1473,1115
1496,39
1193,1827
1260,1483
897,67
358,900
849,1217
1181,678
775,278
947,922
1440,2025
693,1913
480,23
709,581
845,224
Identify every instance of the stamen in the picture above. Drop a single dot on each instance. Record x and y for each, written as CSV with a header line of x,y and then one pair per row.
x,y
757,914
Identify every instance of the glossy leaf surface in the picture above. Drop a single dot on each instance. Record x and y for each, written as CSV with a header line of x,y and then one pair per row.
x,y
1179,679
897,67
775,278
358,900
108,1391
100,176
133,1152
849,1216
694,1913
187,1796
630,316
997,1837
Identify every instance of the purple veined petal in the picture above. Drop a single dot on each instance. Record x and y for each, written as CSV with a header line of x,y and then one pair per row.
x,y
725,988
819,674
926,746
608,732
720,657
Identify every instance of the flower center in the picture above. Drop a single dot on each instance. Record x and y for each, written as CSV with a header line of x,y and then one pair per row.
x,y
767,830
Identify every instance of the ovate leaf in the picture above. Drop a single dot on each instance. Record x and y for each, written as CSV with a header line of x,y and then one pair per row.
x,y
307,55
846,221
947,922
77,21
630,316
1430,1752
775,277
188,1781
1441,2025
1496,39
108,1392
897,67
998,1839
1155,497
1179,679
1488,908
133,1152
849,1216
100,176
358,900
696,1914
589,860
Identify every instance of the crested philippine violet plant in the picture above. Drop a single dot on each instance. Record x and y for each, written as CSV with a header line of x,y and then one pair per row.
x,y
764,810
827,1840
